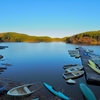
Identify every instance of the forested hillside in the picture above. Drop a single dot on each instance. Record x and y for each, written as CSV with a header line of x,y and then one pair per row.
x,y
17,37
92,37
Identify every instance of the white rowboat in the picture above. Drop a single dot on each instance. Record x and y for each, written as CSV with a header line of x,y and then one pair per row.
x,y
73,68
24,90
72,75
70,81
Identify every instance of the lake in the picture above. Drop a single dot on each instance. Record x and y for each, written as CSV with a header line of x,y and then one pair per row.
x,y
43,62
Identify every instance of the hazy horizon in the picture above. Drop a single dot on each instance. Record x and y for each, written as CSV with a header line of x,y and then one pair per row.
x,y
53,18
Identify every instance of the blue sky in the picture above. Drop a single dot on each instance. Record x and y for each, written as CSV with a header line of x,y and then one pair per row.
x,y
54,18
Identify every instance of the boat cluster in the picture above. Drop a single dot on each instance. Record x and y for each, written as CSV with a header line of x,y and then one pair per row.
x,y
93,61
72,71
29,89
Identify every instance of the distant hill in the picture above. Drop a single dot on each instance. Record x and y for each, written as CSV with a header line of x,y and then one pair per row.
x,y
91,37
17,37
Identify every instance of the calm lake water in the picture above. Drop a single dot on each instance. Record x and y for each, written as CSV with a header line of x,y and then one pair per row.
x,y
43,62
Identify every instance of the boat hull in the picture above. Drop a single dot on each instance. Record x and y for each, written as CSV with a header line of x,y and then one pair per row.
x,y
52,90
94,67
23,90
88,94
19,91
74,68
72,75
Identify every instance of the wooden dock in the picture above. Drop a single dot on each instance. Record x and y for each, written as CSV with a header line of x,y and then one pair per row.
x,y
90,75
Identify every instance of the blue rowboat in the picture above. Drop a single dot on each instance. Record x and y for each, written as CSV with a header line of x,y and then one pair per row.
x,y
88,94
58,94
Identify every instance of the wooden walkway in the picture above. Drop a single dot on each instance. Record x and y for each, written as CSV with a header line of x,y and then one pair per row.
x,y
90,75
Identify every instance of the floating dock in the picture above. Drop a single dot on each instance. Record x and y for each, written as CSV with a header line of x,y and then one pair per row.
x,y
90,75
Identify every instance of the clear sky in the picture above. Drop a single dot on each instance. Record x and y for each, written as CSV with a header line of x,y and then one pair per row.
x,y
54,18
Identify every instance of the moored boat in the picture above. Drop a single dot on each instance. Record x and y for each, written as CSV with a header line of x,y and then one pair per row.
x,y
57,93
73,51
24,90
93,66
91,62
73,55
77,56
71,75
88,94
71,81
87,50
74,68
69,65
96,61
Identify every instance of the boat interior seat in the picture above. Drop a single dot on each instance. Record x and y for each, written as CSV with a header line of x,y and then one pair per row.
x,y
15,92
27,90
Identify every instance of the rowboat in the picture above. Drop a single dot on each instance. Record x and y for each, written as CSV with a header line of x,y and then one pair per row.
x,y
94,57
58,94
73,51
73,67
71,75
73,54
88,94
91,62
93,66
96,61
69,65
89,50
24,90
96,69
77,55
76,47
70,81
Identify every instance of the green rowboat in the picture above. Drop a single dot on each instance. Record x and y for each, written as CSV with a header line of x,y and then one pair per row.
x,y
94,67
